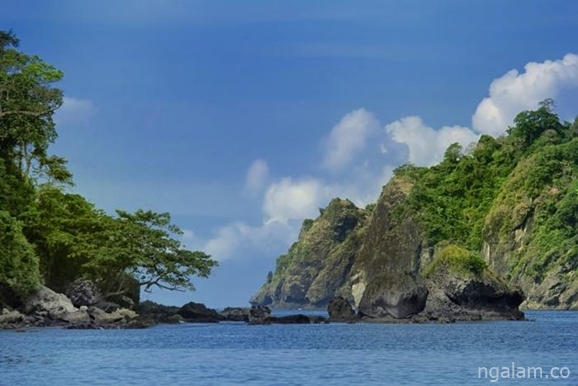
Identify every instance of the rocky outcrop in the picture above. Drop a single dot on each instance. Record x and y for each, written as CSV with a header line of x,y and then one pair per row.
x,y
47,302
317,266
236,314
340,310
399,296
461,295
385,278
262,315
199,313
83,292
156,313
46,308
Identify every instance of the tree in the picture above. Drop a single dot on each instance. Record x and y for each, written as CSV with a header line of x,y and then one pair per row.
x,y
19,274
27,103
529,125
145,245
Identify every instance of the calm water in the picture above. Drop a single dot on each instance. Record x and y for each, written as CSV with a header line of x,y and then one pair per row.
x,y
334,354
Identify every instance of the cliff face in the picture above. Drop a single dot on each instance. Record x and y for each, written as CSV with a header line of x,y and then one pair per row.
x,y
317,266
505,213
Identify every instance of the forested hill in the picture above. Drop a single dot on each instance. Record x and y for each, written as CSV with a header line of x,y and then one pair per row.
x,y
511,201
51,236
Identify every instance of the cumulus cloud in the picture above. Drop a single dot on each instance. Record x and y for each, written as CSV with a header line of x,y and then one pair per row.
x,y
239,240
363,169
348,138
289,199
257,176
515,92
75,111
426,145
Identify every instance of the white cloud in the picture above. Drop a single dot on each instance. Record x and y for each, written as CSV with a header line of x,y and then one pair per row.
x,y
257,176
75,111
363,169
348,138
426,145
515,92
236,241
290,199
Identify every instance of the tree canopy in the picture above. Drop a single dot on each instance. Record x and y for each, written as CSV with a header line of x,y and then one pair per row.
x,y
50,235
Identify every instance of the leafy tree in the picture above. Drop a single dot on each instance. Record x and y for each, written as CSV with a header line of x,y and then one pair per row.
x,y
19,274
74,239
146,245
27,103
529,125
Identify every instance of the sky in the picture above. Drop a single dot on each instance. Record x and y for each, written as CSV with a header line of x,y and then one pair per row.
x,y
243,118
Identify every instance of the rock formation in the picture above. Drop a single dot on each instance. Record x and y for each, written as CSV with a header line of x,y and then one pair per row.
x,y
384,255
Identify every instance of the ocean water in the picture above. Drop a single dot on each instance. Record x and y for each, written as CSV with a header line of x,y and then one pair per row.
x,y
331,354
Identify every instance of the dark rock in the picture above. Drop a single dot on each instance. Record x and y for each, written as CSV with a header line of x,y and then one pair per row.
x,y
290,319
157,312
400,296
83,292
260,315
199,313
470,298
340,310
236,314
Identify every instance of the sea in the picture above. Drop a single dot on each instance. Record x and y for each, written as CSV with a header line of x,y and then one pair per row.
x,y
541,351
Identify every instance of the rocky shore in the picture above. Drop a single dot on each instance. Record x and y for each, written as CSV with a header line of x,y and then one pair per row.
x,y
83,309
440,299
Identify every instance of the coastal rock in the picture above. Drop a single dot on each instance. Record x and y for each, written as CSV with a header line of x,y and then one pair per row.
x,y
83,292
199,313
399,296
463,295
236,314
316,267
77,317
295,319
260,315
158,313
47,302
10,317
122,315
340,310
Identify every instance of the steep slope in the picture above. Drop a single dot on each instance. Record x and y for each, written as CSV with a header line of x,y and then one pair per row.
x,y
318,264
506,210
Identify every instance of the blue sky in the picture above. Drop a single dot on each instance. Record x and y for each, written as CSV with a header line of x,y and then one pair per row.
x,y
241,118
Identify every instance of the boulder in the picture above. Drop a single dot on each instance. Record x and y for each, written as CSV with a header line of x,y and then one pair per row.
x,y
399,296
46,302
158,313
472,297
259,315
340,310
122,315
83,292
236,314
10,317
76,317
199,313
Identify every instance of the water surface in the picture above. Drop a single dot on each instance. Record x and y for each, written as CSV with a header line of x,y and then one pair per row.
x,y
332,354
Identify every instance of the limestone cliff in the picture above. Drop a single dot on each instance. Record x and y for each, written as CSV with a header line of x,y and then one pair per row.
x,y
317,266
505,213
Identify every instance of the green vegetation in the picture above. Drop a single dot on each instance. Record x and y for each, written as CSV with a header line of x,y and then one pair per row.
x,y
501,185
53,237
457,260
